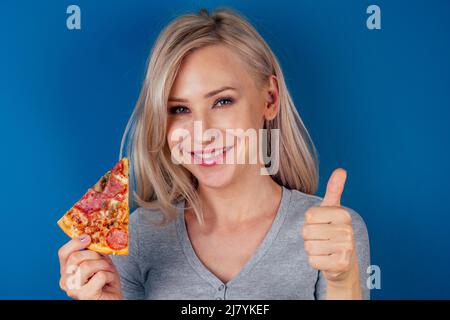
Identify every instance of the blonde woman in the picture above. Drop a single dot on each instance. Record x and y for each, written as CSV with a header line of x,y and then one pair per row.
x,y
206,228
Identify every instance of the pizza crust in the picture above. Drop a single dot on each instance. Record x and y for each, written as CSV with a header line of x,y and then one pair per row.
x,y
65,225
107,250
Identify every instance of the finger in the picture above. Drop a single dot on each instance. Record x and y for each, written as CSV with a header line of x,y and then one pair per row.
x,y
323,263
107,258
317,231
78,257
320,231
319,247
78,275
335,187
335,215
93,289
325,247
75,244
90,267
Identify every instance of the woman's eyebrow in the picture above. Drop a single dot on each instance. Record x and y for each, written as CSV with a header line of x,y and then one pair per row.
x,y
214,92
208,95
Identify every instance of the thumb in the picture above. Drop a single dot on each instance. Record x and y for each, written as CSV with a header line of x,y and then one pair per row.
x,y
76,244
335,187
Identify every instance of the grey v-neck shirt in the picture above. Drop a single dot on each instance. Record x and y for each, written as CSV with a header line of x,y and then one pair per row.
x,y
162,263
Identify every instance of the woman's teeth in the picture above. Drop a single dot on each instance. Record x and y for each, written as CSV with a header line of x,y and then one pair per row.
x,y
212,154
208,155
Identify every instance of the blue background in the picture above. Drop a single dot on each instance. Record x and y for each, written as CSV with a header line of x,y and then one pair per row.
x,y
375,102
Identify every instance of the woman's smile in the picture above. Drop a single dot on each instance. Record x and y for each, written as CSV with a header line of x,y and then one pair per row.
x,y
210,157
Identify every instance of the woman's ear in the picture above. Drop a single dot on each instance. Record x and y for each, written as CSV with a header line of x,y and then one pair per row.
x,y
272,99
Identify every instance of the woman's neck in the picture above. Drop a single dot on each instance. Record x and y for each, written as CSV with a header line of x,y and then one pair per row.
x,y
241,201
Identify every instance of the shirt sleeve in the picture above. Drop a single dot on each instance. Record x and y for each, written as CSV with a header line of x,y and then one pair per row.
x,y
363,252
128,266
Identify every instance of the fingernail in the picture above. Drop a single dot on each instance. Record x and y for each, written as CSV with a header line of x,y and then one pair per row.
x,y
84,238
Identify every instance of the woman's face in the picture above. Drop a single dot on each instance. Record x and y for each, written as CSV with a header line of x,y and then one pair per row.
x,y
212,99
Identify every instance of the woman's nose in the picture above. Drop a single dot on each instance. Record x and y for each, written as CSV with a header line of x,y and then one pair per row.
x,y
204,131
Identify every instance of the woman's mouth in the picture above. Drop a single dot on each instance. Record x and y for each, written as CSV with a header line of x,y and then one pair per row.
x,y
210,157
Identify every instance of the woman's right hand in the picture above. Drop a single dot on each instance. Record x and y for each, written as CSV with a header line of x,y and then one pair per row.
x,y
85,274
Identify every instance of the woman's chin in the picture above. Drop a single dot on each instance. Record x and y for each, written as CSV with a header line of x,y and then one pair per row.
x,y
217,176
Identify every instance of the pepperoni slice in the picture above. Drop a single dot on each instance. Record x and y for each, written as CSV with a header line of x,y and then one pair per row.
x,y
91,202
117,238
114,187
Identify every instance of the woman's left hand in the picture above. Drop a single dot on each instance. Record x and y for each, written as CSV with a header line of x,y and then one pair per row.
x,y
330,244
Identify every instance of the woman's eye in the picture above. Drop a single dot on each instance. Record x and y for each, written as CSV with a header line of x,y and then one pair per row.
x,y
223,102
178,110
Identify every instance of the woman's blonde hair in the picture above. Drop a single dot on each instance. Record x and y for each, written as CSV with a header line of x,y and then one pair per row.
x,y
159,183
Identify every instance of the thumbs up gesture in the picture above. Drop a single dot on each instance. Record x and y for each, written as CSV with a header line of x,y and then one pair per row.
x,y
329,241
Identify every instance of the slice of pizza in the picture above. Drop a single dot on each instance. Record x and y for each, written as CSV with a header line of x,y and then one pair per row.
x,y
103,213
